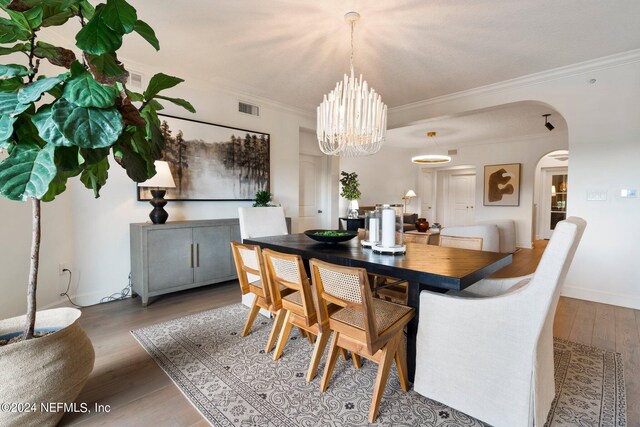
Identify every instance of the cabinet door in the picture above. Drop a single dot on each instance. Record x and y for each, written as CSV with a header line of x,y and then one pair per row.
x,y
213,252
169,255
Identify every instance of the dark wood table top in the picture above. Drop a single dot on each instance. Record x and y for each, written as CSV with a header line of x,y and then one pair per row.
x,y
440,267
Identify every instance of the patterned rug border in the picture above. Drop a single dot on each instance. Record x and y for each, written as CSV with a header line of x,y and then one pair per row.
x,y
197,399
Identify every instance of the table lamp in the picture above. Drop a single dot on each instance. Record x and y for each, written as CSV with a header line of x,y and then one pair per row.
x,y
410,194
158,185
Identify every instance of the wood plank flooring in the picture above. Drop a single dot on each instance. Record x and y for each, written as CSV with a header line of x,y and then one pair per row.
x,y
140,394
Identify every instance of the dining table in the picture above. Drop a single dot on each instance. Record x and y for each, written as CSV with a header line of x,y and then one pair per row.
x,y
423,267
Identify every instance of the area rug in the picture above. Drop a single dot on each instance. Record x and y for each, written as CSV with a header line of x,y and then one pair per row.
x,y
233,382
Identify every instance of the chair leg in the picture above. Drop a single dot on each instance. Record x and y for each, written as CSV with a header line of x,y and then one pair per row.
x,y
332,358
253,312
275,330
318,351
344,353
401,364
284,336
381,379
311,338
302,332
357,362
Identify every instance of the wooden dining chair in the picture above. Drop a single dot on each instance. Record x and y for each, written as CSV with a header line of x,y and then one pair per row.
x,y
286,272
474,243
252,278
366,326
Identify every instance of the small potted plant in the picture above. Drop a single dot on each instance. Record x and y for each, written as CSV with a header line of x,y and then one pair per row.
x,y
56,128
263,199
350,192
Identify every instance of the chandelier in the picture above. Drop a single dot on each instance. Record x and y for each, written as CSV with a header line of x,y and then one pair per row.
x,y
431,159
352,119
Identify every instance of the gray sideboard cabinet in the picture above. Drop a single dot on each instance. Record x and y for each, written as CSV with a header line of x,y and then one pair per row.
x,y
181,255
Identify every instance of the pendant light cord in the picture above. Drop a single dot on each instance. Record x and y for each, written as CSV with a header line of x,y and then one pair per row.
x,y
353,24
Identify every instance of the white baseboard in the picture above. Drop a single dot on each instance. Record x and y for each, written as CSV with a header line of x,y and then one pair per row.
x,y
524,245
629,301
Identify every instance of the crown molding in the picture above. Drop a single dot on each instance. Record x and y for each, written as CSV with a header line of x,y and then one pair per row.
x,y
611,61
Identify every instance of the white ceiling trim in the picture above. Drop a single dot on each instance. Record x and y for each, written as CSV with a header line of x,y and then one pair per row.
x,y
611,61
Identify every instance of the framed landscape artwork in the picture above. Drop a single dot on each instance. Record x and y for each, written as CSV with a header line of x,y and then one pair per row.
x,y
502,185
213,162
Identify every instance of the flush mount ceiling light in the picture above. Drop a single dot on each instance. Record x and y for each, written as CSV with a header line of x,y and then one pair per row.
x,y
352,119
431,159
546,122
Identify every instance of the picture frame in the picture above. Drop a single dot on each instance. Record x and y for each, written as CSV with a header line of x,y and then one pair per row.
x,y
211,162
502,184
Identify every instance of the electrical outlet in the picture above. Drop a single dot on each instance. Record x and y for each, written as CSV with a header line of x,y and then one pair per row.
x,y
61,268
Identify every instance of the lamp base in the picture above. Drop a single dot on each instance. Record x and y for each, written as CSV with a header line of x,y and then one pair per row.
x,y
158,215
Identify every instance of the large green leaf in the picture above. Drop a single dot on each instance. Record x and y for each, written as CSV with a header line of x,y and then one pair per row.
x,y
147,33
68,160
120,16
47,128
54,54
160,82
93,155
84,91
11,85
133,163
96,37
6,127
106,68
9,103
95,176
27,172
87,127
179,101
11,32
13,70
55,12
28,20
19,47
33,91
57,186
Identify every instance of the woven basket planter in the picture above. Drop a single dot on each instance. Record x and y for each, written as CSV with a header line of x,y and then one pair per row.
x,y
50,369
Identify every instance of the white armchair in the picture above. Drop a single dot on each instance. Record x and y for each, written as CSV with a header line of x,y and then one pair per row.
x,y
492,357
260,222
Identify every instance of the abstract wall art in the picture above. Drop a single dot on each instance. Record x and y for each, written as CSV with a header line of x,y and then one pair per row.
x,y
213,162
502,185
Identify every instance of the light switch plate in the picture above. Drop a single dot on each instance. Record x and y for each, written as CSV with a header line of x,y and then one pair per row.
x,y
629,193
597,196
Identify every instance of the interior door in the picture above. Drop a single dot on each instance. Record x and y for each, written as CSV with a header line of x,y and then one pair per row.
x,y
312,192
426,196
462,197
555,186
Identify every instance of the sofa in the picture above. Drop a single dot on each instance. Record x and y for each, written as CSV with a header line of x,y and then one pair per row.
x,y
408,219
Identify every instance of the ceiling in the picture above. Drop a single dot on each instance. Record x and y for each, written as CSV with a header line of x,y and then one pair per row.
x,y
295,51
518,120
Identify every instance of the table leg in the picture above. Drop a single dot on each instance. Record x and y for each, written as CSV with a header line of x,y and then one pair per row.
x,y
413,300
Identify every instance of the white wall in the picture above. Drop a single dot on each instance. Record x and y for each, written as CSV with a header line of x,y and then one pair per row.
x,y
384,177
527,152
604,142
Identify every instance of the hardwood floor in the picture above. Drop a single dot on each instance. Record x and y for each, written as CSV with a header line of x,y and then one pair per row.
x,y
140,394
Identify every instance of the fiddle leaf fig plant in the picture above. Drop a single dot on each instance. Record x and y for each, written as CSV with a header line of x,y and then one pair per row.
x,y
66,125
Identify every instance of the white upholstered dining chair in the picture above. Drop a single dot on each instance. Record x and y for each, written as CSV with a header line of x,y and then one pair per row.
x,y
260,222
491,355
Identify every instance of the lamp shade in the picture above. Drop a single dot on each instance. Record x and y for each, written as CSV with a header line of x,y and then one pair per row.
x,y
410,194
162,178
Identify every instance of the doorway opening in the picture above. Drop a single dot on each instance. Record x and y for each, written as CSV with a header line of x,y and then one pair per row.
x,y
551,194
